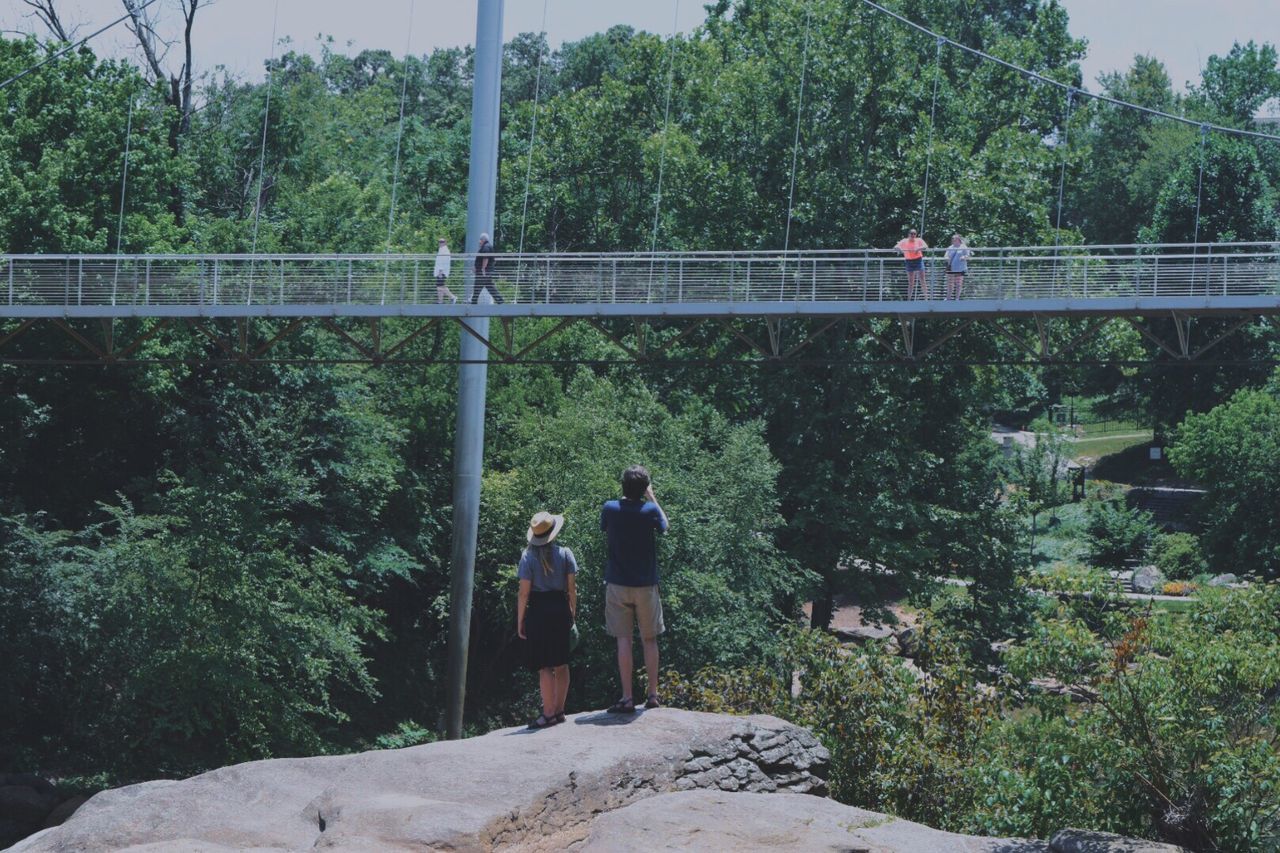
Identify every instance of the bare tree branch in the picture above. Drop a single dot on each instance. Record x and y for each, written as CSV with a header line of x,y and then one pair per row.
x,y
47,13
145,34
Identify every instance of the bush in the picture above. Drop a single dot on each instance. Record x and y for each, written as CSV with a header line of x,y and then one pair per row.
x,y
1117,533
899,744
149,645
1234,451
1177,741
1178,556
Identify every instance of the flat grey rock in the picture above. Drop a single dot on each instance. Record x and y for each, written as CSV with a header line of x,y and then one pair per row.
x,y
511,787
1088,841
758,823
659,780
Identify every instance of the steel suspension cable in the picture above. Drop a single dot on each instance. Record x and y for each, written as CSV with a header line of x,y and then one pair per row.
x,y
124,191
928,162
404,93
795,147
266,116
1204,138
1062,175
124,179
666,117
1026,72
533,130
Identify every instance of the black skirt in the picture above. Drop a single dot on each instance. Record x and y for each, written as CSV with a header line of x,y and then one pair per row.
x,y
547,622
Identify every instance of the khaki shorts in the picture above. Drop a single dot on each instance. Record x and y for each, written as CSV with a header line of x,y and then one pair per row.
x,y
627,606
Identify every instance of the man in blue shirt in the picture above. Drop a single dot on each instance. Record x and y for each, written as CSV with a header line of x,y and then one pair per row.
x,y
631,525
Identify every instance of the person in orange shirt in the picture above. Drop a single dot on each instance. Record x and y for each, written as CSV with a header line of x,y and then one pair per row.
x,y
912,248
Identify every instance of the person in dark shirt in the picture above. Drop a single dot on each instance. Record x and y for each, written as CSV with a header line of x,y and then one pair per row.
x,y
484,272
631,525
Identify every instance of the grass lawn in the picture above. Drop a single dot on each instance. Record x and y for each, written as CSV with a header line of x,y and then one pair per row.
x,y
1093,448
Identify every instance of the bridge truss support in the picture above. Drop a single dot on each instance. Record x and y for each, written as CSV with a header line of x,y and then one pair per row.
x,y
1178,338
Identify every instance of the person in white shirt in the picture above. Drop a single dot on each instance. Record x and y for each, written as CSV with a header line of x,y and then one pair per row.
x,y
444,264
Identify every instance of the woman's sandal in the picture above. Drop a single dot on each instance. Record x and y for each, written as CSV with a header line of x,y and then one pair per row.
x,y
622,706
560,718
543,722
653,701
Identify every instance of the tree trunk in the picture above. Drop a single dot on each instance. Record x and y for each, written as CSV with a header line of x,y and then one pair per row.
x,y
823,609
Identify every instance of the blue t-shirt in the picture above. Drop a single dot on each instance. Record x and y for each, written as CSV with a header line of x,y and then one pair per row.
x,y
958,258
560,563
630,527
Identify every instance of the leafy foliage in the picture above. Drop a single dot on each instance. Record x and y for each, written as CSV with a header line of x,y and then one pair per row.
x,y
1234,450
1117,533
1177,556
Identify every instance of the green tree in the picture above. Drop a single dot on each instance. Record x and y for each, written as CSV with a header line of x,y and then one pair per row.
x,y
1234,451
167,644
62,143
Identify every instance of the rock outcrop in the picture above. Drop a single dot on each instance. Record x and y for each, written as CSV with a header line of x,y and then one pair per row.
x,y
29,803
663,779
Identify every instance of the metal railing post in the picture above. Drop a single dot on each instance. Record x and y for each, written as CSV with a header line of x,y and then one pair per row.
x,y
1017,278
146,295
1155,277
680,281
1208,271
66,283
11,281
615,279
880,292
217,269
350,273
748,279
80,282
814,296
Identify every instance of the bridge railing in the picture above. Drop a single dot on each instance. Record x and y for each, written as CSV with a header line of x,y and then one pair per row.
x,y
867,276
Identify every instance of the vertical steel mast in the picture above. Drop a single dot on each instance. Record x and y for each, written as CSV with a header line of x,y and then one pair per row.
x,y
473,372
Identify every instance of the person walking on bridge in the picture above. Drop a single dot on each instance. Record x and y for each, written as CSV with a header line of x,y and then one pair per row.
x,y
631,577
912,248
484,272
444,265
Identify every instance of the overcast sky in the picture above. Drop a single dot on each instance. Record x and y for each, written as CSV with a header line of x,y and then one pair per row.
x,y
237,33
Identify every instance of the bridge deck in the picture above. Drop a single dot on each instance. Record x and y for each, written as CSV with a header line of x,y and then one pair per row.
x,y
1098,281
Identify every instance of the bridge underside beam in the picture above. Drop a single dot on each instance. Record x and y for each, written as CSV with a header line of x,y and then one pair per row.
x,y
1177,337
1042,307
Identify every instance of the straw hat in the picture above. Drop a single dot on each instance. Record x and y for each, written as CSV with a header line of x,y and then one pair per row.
x,y
544,527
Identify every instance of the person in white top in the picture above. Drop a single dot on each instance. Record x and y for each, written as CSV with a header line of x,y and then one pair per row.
x,y
444,264
957,265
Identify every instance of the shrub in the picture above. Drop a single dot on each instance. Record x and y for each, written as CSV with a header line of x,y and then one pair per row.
x,y
1178,556
1117,533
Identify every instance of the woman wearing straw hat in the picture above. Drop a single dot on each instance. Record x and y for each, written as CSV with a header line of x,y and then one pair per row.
x,y
545,612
